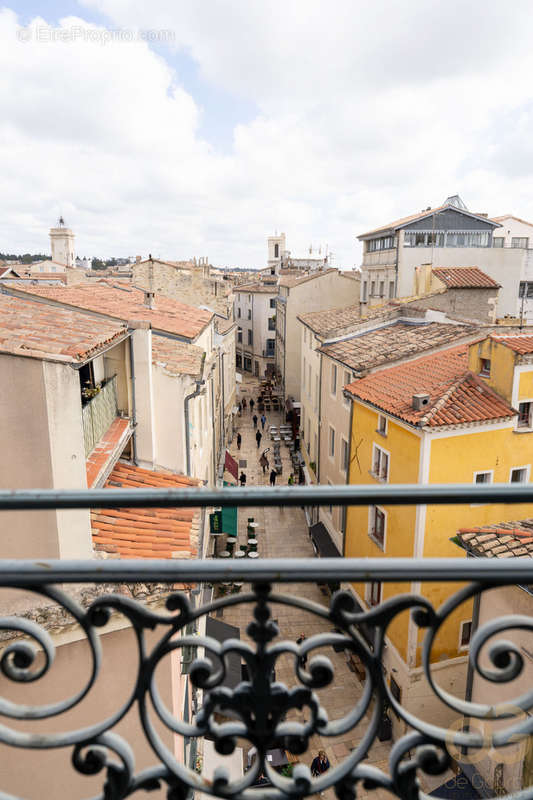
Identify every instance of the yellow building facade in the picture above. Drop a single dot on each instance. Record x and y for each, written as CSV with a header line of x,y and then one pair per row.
x,y
471,428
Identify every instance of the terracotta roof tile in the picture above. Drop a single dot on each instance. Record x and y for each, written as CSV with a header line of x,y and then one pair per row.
x,y
465,278
332,321
456,395
290,281
393,342
116,435
257,288
29,328
521,343
146,532
125,302
177,358
502,540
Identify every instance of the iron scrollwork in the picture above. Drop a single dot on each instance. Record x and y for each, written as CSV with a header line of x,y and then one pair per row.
x,y
256,710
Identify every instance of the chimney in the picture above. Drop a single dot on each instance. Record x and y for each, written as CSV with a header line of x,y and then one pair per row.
x,y
137,259
149,299
420,401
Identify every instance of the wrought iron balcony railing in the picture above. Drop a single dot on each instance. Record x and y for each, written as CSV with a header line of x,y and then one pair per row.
x,y
258,707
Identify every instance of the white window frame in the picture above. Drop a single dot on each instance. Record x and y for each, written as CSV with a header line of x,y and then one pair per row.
x,y
378,476
331,430
461,626
371,526
345,449
490,473
527,468
333,380
368,593
382,417
525,427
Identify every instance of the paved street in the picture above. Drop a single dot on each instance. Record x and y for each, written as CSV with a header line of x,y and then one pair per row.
x,y
284,534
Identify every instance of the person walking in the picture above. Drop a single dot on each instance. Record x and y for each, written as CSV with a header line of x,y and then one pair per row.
x,y
290,482
263,461
273,476
240,408
319,764
258,437
244,403
242,479
239,441
255,420
263,421
252,404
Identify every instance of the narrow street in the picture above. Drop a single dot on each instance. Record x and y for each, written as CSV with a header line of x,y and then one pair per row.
x,y
283,533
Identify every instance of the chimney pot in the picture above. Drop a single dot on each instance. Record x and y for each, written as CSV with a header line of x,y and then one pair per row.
x,y
420,401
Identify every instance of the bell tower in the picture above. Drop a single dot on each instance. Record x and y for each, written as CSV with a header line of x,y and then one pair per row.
x,y
62,244
276,250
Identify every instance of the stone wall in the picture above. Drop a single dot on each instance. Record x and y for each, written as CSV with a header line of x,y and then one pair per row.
x,y
478,305
189,286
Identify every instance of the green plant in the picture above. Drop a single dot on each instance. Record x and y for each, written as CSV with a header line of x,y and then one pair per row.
x,y
312,466
287,770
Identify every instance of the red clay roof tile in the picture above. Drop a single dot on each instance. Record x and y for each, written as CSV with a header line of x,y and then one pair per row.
x,y
465,278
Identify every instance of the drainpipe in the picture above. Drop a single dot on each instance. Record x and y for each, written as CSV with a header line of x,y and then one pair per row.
x,y
198,391
347,475
223,427
133,404
319,419
214,445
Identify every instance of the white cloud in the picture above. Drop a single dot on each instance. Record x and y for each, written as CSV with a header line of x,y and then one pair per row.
x,y
366,111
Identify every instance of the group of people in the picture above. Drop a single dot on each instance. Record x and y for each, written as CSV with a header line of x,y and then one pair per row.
x,y
263,460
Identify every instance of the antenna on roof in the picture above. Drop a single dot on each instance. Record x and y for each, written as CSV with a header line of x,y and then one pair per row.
x,y
61,222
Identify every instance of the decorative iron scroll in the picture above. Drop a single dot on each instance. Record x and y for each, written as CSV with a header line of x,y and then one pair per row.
x,y
258,707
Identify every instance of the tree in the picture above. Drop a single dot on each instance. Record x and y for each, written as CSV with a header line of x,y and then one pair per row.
x,y
96,263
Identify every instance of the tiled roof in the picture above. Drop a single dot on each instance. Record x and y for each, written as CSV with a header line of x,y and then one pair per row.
x,y
504,540
464,278
178,358
456,396
399,223
332,320
222,326
28,328
146,532
122,301
258,288
521,343
290,281
111,444
511,216
394,342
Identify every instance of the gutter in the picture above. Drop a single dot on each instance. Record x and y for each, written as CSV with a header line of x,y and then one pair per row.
x,y
133,405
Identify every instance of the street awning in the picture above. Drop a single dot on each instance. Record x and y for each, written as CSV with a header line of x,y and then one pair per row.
x,y
231,465
221,631
323,542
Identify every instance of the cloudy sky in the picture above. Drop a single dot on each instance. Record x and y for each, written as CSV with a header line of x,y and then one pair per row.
x,y
199,127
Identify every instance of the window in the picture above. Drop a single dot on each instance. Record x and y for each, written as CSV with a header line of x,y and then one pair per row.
x,y
380,464
331,442
524,415
239,335
383,243
465,634
519,241
247,364
373,593
483,477
333,379
372,288
239,312
391,290
498,241
382,425
271,323
365,285
250,337
519,475
345,456
446,239
382,288
249,313
271,347
238,360
485,367
272,302
526,289
346,382
276,251
376,527
249,298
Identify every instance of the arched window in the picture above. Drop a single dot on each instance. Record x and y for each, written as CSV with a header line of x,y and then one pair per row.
x,y
276,251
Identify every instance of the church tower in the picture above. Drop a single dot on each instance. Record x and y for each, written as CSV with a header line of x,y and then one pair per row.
x,y
62,243
276,251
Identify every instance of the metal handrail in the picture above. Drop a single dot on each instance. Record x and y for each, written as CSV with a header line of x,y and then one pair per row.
x,y
352,495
